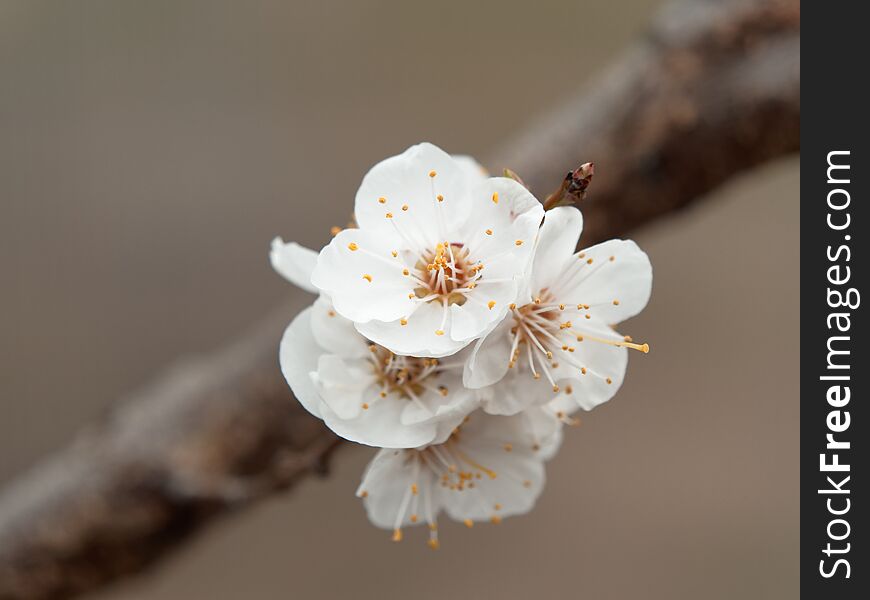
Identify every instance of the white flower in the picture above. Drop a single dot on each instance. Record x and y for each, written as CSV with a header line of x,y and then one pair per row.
x,y
491,467
558,336
437,256
364,392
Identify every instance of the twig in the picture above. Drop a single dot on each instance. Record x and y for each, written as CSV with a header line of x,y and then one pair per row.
x,y
713,91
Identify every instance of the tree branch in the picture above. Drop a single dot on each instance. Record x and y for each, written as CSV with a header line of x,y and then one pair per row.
x,y
712,91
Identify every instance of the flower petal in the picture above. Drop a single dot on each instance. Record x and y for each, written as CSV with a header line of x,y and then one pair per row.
x,y
502,227
298,355
379,425
387,490
293,262
419,336
334,333
415,179
483,307
488,360
614,278
362,278
344,386
557,242
506,454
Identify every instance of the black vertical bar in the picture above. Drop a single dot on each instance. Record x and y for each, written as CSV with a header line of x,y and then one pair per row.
x,y
835,224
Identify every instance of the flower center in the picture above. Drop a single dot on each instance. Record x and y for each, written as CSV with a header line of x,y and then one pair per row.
x,y
546,331
453,468
408,377
446,274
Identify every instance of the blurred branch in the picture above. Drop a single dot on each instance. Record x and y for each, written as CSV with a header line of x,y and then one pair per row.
x,y
712,91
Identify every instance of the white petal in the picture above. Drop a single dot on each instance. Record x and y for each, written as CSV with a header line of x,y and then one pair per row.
x,y
545,428
431,406
605,365
362,278
474,171
298,355
386,489
489,357
516,392
334,333
557,242
405,180
507,454
343,385
485,305
379,425
293,262
419,336
512,214
614,289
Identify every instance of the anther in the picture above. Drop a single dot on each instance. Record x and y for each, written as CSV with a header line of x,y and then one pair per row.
x,y
440,198
469,523
352,247
519,242
406,272
439,332
491,304
397,535
609,380
404,207
382,200
616,303
489,232
495,197
495,519
403,321
367,277
432,173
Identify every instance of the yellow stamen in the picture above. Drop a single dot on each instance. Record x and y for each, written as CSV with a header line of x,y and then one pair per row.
x,y
495,197
491,304
352,247
367,277
397,535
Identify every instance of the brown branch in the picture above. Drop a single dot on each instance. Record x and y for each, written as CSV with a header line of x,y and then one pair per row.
x,y
714,90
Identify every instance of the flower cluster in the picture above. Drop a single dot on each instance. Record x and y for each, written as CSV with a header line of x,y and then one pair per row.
x,y
457,329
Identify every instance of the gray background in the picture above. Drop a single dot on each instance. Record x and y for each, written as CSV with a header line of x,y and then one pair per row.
x,y
150,150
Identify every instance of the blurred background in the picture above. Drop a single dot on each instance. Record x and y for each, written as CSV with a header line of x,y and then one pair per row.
x,y
149,151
